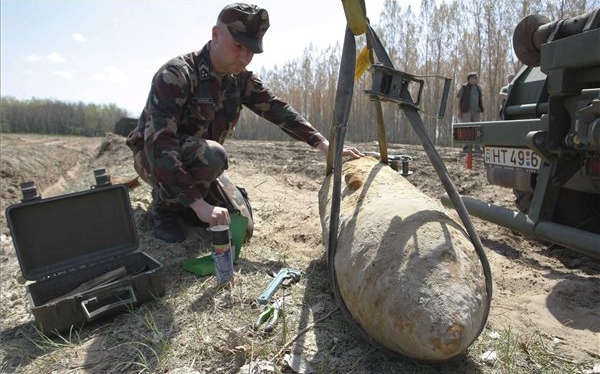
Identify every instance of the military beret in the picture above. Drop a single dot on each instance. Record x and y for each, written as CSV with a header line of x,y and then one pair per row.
x,y
247,24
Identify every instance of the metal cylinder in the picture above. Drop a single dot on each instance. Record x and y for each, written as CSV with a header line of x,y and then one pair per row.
x,y
535,30
428,290
569,237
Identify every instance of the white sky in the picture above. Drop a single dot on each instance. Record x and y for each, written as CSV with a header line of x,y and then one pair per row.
x,y
106,51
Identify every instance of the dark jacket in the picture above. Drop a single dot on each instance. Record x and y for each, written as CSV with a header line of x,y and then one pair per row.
x,y
466,94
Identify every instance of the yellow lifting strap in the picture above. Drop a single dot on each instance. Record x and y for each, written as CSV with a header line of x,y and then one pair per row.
x,y
362,62
356,16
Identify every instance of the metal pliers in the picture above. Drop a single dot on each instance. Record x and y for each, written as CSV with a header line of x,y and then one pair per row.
x,y
267,320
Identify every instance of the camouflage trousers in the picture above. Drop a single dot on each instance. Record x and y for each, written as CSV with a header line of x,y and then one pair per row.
x,y
205,160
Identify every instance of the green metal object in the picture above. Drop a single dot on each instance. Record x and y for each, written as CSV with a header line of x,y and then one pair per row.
x,y
547,147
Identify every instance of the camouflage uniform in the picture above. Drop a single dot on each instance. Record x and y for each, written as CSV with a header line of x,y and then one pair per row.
x,y
190,112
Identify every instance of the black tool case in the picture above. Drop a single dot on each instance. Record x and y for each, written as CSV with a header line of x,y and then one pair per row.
x,y
81,252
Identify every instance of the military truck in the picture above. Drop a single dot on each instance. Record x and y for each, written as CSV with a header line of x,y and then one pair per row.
x,y
547,146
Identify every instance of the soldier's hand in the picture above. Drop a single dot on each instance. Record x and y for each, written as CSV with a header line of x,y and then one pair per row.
x,y
213,215
353,152
348,151
219,216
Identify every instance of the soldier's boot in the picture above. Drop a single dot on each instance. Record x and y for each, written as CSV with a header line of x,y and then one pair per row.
x,y
166,222
167,226
189,218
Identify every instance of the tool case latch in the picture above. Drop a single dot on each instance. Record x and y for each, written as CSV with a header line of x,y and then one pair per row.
x,y
102,179
29,191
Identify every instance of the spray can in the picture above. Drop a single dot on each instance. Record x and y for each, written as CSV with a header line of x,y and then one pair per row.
x,y
222,254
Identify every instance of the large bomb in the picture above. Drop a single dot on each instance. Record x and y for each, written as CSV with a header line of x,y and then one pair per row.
x,y
406,271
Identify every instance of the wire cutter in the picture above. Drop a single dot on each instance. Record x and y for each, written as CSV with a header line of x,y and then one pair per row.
x,y
267,320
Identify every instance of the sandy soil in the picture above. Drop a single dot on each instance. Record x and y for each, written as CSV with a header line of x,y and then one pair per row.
x,y
541,292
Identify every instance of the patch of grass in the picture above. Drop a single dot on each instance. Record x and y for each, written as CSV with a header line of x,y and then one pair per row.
x,y
157,338
144,358
508,352
47,343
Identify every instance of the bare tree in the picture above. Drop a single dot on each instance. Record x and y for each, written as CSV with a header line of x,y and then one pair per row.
x,y
444,39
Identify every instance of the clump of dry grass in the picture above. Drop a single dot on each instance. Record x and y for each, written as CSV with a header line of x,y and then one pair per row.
x,y
508,351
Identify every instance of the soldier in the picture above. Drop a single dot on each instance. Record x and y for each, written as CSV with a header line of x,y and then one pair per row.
x,y
193,106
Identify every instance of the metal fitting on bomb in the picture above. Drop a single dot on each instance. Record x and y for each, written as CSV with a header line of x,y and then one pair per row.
x,y
400,164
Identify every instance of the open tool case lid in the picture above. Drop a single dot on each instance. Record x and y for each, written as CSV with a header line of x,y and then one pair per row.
x,y
60,234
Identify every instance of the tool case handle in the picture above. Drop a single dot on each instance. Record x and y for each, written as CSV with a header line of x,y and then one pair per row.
x,y
104,302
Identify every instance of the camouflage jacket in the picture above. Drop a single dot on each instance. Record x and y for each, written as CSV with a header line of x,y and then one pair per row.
x,y
187,97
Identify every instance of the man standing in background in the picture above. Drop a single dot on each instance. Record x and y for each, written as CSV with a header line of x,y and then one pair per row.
x,y
469,104
469,101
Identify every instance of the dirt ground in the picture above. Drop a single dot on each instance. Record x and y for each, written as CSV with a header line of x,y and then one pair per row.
x,y
544,296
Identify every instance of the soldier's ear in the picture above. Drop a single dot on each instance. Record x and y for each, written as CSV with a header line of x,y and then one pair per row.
x,y
215,33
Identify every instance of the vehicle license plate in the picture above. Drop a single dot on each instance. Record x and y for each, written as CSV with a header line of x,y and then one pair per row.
x,y
512,158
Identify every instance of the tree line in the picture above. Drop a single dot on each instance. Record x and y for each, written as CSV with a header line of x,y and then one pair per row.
x,y
441,39
54,117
